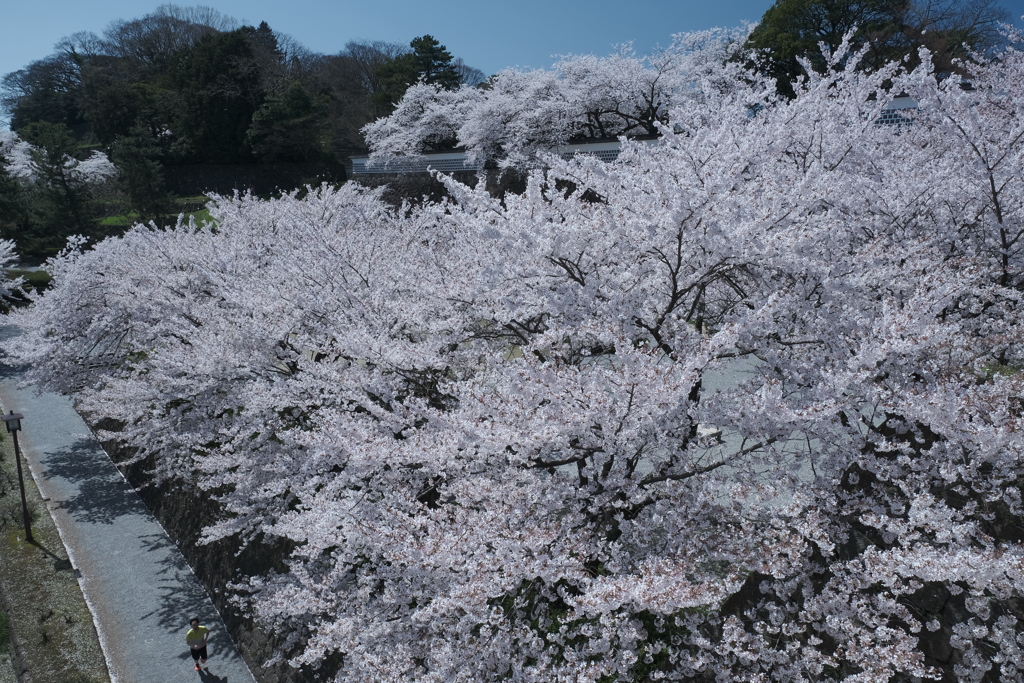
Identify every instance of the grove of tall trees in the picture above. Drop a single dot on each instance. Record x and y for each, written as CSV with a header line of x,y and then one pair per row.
x,y
520,113
743,405
209,89
182,87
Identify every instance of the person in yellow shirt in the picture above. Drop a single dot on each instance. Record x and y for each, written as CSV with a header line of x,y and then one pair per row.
x,y
196,641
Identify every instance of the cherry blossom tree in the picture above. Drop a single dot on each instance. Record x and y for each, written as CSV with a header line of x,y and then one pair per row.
x,y
520,113
8,257
52,188
427,117
17,155
24,162
743,405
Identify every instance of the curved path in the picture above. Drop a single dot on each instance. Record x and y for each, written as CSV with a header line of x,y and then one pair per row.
x,y
138,586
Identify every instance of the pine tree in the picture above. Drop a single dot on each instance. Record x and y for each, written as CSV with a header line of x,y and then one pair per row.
x,y
429,61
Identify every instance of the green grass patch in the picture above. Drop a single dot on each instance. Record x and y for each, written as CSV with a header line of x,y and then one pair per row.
x,y
194,207
195,199
990,370
202,216
189,206
34,280
47,619
119,221
7,674
33,277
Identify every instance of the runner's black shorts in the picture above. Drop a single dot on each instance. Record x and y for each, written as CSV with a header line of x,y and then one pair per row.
x,y
198,654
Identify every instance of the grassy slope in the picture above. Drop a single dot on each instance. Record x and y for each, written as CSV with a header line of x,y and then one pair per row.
x,y
49,622
180,205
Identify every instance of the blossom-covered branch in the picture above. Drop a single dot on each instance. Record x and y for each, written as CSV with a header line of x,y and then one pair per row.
x,y
743,405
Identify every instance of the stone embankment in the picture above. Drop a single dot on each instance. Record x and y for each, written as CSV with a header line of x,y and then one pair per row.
x,y
138,586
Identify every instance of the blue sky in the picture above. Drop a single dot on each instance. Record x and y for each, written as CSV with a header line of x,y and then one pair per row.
x,y
487,34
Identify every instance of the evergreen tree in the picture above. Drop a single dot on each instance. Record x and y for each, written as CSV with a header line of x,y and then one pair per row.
x,y
61,197
429,61
12,206
136,156
221,93
10,192
434,64
791,29
58,190
893,30
290,127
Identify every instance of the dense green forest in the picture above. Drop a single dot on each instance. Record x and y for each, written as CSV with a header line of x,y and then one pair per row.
x,y
185,100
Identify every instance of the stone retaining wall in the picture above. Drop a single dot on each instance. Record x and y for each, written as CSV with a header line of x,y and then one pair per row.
x,y
183,513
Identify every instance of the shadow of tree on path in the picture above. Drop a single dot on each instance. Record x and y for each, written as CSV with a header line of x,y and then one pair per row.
x,y
181,594
102,495
182,597
116,524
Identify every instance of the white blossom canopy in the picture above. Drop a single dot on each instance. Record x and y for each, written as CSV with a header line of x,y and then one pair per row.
x,y
8,257
486,429
22,163
518,114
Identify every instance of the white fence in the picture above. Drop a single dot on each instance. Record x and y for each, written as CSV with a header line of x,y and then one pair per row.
x,y
607,150
447,162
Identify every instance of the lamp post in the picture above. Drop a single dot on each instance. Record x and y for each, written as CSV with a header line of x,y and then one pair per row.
x,y
13,421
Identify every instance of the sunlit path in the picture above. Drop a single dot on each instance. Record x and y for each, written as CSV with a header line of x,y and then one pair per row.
x,y
138,585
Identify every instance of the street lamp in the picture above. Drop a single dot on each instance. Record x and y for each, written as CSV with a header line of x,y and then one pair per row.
x,y
13,421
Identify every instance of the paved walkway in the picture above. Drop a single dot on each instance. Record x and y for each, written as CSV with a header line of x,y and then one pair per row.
x,y
136,582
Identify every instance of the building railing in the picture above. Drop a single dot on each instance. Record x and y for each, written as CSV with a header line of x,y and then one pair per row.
x,y
895,113
446,162
605,150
